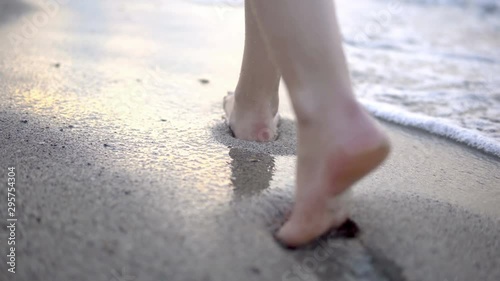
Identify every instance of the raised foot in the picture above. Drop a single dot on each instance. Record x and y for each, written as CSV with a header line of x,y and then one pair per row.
x,y
250,121
323,187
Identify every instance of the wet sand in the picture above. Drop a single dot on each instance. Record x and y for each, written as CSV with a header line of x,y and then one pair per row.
x,y
127,172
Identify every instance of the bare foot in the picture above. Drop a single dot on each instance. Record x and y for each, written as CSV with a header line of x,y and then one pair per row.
x,y
252,120
334,151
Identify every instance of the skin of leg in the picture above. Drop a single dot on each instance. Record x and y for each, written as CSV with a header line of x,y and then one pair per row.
x,y
252,111
338,142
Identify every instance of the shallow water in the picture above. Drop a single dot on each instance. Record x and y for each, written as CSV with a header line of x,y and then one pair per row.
x,y
439,61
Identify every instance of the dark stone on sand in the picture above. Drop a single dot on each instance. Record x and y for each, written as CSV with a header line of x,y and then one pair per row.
x,y
255,270
348,230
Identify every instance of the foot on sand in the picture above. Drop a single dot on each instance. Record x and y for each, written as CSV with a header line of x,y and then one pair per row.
x,y
334,151
253,121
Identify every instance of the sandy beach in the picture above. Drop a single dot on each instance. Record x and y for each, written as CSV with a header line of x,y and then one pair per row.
x,y
111,114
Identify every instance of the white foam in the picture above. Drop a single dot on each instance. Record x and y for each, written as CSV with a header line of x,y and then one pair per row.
x,y
481,3
438,126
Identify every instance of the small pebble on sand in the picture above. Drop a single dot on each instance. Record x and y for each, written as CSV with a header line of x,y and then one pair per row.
x,y
204,81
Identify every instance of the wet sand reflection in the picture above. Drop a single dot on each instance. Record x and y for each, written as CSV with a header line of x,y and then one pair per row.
x,y
251,172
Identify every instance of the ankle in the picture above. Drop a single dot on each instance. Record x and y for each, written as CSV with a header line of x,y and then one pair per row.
x,y
348,127
264,105
327,112
362,134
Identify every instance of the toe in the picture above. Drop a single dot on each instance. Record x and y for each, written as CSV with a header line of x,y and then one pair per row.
x,y
309,222
266,135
